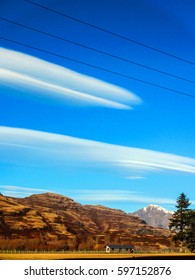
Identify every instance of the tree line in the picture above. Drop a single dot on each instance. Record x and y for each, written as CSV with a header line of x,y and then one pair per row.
x,y
182,224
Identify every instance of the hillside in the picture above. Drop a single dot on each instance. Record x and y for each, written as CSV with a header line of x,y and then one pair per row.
x,y
154,216
52,221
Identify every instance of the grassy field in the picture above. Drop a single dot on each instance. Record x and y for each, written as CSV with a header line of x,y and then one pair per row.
x,y
69,256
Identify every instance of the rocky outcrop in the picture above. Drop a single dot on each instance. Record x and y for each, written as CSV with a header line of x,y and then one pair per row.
x,y
52,221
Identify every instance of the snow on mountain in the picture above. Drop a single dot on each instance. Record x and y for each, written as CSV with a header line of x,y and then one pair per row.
x,y
157,207
154,215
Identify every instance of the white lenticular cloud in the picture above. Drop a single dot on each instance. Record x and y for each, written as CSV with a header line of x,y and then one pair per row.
x,y
21,191
135,177
48,80
24,145
120,196
18,188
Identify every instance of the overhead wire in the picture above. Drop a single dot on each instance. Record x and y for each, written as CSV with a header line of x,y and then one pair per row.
x,y
111,33
98,67
97,50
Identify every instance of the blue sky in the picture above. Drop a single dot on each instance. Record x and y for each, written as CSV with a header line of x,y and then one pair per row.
x,y
86,133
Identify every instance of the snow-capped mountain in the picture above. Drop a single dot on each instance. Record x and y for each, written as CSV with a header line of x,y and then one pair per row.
x,y
154,215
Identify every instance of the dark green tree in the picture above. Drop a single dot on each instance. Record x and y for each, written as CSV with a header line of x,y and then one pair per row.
x,y
180,220
190,234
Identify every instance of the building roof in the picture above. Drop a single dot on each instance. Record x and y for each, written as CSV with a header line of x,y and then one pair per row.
x,y
119,246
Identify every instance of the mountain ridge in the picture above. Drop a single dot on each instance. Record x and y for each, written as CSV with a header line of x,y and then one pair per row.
x,y
52,221
154,215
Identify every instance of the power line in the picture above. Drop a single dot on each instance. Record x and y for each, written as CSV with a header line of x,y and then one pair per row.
x,y
96,50
112,33
99,68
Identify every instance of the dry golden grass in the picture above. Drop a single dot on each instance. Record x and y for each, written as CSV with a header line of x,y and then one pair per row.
x,y
64,256
58,256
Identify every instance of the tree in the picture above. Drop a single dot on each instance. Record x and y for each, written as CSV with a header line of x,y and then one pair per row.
x,y
190,234
180,219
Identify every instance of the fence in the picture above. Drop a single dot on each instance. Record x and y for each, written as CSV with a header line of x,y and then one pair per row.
x,y
140,251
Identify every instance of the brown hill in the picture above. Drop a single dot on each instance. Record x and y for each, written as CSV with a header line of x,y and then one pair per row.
x,y
52,221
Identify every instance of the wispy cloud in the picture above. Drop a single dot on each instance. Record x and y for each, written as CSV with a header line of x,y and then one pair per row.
x,y
135,177
49,80
94,196
21,191
30,145
120,196
99,196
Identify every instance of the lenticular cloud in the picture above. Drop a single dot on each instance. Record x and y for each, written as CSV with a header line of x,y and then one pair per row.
x,y
48,80
30,146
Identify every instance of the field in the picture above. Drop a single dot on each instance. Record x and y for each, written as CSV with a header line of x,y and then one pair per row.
x,y
76,256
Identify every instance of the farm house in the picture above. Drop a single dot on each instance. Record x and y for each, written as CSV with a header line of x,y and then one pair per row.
x,y
119,249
